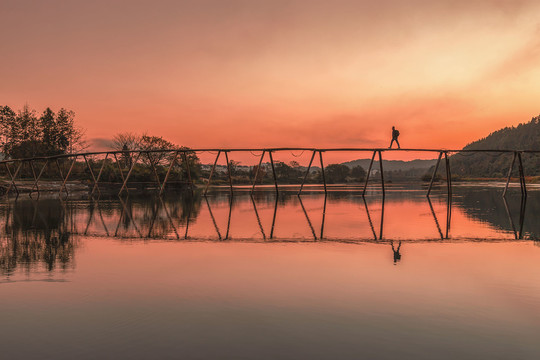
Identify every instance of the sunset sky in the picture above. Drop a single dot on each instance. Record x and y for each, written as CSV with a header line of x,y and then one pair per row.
x,y
219,73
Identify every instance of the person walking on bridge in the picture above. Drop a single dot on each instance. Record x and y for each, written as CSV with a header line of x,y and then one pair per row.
x,y
395,135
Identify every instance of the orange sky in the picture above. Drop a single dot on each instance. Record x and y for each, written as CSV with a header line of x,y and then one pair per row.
x,y
214,73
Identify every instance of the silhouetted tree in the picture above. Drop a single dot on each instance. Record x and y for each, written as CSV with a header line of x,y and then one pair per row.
x,y
522,137
25,135
358,173
126,139
337,173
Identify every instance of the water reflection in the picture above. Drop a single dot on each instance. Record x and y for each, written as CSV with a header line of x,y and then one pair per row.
x,y
395,250
45,231
36,232
221,277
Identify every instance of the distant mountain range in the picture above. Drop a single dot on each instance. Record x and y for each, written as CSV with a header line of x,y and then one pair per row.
x,y
393,165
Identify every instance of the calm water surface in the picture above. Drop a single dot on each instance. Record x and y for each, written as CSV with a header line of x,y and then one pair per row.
x,y
335,277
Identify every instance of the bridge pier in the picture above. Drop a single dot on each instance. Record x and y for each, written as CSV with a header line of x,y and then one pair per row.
x,y
64,187
273,171
322,171
13,177
188,171
323,217
119,166
124,185
131,157
154,170
229,171
510,173
523,187
522,176
382,174
173,161
448,174
211,173
307,172
99,175
434,173
91,174
36,178
257,172
381,170
368,173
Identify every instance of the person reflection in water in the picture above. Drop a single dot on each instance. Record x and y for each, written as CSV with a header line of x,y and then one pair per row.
x,y
395,135
397,255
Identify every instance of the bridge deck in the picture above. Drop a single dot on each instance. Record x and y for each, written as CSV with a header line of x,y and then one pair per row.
x,y
135,155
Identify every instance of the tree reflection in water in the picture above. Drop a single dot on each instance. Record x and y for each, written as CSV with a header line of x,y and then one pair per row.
x,y
36,232
44,231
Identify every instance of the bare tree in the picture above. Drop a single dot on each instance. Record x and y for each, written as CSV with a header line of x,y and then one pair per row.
x,y
126,141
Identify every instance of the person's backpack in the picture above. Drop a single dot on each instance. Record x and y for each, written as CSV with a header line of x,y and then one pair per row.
x,y
396,133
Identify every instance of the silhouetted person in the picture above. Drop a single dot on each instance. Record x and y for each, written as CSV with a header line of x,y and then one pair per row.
x,y
397,255
395,135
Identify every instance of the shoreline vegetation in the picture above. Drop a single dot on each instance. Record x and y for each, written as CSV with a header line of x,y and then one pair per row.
x,y
27,134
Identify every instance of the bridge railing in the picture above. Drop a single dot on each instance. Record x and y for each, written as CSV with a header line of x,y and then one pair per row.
x,y
183,153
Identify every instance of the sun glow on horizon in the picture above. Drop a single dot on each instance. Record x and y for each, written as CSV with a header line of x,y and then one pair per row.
x,y
270,74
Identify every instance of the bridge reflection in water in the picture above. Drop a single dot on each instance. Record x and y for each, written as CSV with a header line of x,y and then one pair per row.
x,y
48,231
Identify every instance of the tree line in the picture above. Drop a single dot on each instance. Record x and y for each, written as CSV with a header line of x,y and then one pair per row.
x,y
25,133
525,136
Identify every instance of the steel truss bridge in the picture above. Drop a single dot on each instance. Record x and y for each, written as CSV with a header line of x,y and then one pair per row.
x,y
13,166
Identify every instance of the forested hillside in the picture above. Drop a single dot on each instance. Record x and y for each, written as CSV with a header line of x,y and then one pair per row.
x,y
522,137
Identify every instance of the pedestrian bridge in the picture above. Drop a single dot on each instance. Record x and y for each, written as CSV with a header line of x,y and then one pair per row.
x,y
38,165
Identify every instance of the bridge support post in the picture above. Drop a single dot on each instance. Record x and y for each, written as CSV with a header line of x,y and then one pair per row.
x,y
60,172
64,187
323,217
274,218
382,219
229,171
448,175
258,217
368,173
522,215
510,174
13,177
36,183
382,173
322,172
96,187
369,219
435,217
213,218
211,174
124,185
307,172
273,171
188,170
307,218
257,172
91,172
119,167
448,215
187,220
36,178
434,174
31,163
229,218
173,161
522,176
154,170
